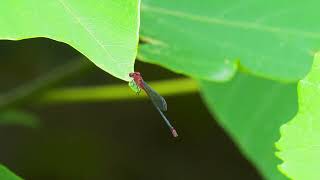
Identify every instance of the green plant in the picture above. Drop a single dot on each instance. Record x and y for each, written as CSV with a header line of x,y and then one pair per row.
x,y
245,58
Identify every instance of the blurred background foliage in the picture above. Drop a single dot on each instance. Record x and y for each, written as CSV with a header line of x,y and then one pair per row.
x,y
257,46
105,140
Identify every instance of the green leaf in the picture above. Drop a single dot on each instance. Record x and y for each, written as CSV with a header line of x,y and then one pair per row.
x,y
18,117
251,110
273,39
300,138
104,31
6,174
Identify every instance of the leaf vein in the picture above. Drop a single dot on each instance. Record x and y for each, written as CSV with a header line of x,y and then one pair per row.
x,y
230,23
69,11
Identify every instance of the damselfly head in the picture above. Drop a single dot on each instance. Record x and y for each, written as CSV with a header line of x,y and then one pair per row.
x,y
135,74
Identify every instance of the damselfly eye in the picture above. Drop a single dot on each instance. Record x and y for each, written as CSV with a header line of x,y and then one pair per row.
x,y
133,74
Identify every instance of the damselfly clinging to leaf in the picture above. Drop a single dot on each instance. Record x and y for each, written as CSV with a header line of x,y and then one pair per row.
x,y
158,101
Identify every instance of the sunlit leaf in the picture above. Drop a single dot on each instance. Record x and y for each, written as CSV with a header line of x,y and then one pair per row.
x,y
299,144
104,31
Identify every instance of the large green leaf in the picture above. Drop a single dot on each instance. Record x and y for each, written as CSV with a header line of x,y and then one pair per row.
x,y
251,110
204,39
299,144
6,174
104,31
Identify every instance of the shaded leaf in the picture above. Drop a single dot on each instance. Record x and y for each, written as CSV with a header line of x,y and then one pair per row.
x,y
205,40
300,138
104,31
251,110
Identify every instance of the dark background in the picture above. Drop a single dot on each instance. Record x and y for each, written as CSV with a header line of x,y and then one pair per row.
x,y
109,140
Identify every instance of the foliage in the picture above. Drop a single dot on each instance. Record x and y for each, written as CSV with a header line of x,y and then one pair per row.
x,y
300,137
6,174
104,31
208,41
205,40
252,109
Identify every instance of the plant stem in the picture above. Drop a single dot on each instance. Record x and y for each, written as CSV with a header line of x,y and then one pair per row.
x,y
27,92
116,92
39,90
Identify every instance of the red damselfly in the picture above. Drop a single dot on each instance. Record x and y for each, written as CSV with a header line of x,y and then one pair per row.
x,y
158,101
